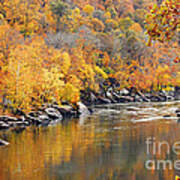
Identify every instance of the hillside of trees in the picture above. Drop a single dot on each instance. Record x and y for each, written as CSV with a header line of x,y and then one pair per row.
x,y
56,50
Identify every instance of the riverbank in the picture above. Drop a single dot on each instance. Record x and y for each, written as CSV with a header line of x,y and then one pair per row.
x,y
53,113
112,95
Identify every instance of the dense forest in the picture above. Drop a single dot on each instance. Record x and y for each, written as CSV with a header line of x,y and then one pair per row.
x,y
53,51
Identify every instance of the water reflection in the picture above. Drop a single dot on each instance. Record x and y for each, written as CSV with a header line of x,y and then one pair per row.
x,y
107,145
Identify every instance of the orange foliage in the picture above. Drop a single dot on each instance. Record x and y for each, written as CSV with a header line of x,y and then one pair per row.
x,y
33,72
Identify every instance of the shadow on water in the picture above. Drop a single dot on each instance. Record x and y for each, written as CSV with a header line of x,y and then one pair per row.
x,y
109,144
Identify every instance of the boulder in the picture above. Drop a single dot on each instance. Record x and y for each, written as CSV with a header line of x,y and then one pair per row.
x,y
142,97
170,98
147,96
171,93
124,92
93,97
132,91
109,95
178,115
177,93
163,98
4,125
138,99
82,109
20,123
41,119
53,113
44,119
65,110
162,95
116,96
7,118
177,111
125,99
3,143
103,100
155,98
33,120
35,113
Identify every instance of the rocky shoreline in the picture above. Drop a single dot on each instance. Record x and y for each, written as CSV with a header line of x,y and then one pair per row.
x,y
52,113
45,115
128,95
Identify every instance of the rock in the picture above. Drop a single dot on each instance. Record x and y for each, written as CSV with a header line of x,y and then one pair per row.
x,y
4,125
142,96
177,111
124,92
102,100
22,118
163,98
82,109
166,116
26,123
3,143
147,95
32,117
41,119
116,96
7,121
162,95
35,113
65,110
7,118
20,123
44,119
138,99
178,115
93,97
170,98
33,120
125,99
177,93
171,93
155,99
53,113
132,91
109,95
13,123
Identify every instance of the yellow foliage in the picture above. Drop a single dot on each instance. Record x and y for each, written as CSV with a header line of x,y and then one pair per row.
x,y
66,63
97,24
88,9
76,11
99,71
33,72
113,23
107,15
136,27
70,93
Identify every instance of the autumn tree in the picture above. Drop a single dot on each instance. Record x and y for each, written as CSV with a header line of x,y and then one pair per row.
x,y
163,21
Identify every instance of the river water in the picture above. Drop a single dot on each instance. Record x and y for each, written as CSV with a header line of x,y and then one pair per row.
x,y
110,144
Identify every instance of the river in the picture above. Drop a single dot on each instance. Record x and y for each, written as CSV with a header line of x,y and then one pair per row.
x,y
109,144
